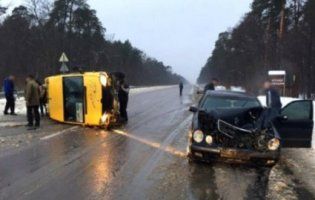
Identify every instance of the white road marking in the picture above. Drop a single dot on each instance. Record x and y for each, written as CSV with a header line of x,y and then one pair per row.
x,y
59,133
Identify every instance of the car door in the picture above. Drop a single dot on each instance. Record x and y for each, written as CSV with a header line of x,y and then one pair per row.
x,y
295,126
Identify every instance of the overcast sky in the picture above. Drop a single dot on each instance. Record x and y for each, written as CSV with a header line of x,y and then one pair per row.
x,y
180,33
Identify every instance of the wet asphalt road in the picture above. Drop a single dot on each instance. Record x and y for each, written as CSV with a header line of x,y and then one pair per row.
x,y
146,159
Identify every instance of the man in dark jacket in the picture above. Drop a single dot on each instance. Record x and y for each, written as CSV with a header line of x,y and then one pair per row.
x,y
272,97
273,104
8,86
123,96
211,86
32,102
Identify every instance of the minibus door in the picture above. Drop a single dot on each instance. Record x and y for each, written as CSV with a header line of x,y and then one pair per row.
x,y
73,92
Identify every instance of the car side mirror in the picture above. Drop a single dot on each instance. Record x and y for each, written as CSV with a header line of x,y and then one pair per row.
x,y
193,109
283,118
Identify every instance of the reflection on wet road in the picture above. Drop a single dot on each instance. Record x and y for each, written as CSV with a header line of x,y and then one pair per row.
x,y
146,159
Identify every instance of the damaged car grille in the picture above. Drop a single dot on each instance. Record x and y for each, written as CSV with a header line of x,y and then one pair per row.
x,y
230,136
229,130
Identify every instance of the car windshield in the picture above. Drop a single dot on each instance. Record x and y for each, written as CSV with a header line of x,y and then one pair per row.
x,y
211,102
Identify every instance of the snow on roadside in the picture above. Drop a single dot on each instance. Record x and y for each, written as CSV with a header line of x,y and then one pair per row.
x,y
12,124
20,107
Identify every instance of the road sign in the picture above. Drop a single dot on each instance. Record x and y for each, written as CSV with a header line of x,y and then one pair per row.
x,y
63,58
278,79
64,68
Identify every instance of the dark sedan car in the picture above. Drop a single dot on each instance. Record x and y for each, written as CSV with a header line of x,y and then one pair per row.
x,y
224,128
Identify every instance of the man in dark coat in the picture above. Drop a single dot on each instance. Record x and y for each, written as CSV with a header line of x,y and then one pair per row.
x,y
272,97
123,96
8,86
32,98
211,86
273,104
181,87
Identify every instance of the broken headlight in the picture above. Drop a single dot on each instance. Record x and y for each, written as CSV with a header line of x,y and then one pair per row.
x,y
273,144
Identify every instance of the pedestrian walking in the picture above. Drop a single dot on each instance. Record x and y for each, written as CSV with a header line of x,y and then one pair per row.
x,y
181,87
43,99
211,86
32,96
9,88
123,96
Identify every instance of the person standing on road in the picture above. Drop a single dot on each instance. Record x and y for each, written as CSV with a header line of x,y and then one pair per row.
x,y
9,95
212,85
43,99
272,97
32,102
181,87
123,96
273,103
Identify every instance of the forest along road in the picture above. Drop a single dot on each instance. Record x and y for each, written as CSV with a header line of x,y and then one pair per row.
x,y
146,159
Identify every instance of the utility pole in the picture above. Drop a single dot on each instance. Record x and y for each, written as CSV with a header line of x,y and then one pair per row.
x,y
281,32
267,41
282,17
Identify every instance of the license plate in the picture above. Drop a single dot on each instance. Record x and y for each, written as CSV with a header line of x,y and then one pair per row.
x,y
232,153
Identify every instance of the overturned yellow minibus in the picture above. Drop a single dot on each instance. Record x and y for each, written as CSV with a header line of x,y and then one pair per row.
x,y
88,98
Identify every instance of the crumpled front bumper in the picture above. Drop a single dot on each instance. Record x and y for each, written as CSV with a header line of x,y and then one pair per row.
x,y
232,155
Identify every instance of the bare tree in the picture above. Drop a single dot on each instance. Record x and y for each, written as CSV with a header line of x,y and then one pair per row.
x,y
39,9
